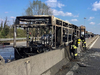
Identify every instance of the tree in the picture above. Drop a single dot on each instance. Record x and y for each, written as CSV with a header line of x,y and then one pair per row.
x,y
5,30
38,8
10,34
1,26
5,23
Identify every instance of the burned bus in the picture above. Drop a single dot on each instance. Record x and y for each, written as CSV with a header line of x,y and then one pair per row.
x,y
50,33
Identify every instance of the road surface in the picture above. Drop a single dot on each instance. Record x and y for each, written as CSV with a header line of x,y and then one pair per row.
x,y
90,61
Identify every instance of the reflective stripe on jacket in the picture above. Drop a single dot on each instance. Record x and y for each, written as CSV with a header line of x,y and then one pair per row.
x,y
74,47
79,40
76,54
29,37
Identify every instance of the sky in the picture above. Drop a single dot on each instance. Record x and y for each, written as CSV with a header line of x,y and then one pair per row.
x,y
73,11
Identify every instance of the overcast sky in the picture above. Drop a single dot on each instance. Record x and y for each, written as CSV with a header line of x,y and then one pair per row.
x,y
72,11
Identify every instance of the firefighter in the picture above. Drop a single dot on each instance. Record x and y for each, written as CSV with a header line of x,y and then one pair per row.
x,y
74,51
74,47
82,37
79,41
30,37
84,45
83,42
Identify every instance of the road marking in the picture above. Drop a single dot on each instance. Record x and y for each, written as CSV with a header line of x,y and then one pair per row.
x,y
70,73
93,43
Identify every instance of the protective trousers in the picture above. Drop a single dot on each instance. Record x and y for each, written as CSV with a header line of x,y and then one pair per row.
x,y
74,51
84,44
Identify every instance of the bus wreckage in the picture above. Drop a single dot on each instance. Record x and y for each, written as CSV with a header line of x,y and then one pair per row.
x,y
51,33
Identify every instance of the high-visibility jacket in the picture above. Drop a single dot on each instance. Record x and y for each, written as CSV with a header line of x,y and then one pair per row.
x,y
74,47
29,37
84,42
76,54
79,41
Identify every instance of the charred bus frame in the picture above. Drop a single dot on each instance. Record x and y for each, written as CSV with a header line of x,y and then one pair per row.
x,y
61,33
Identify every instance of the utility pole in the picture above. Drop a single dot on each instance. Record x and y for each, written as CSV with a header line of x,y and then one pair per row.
x,y
84,21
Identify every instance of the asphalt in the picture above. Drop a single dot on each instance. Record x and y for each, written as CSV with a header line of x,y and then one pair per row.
x,y
90,60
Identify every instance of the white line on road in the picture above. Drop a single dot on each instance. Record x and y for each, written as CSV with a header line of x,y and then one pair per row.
x,y
93,43
70,73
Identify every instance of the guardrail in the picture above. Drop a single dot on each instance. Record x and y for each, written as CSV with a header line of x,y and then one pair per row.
x,y
10,39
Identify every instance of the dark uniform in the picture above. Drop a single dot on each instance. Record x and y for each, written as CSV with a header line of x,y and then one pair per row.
x,y
83,42
74,47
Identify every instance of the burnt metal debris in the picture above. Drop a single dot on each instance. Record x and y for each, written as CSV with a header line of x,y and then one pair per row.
x,y
50,33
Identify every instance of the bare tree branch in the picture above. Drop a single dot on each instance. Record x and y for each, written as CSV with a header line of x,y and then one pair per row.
x,y
38,8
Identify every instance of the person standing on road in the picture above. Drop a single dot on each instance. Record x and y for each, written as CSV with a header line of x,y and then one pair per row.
x,y
74,47
83,42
